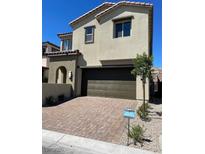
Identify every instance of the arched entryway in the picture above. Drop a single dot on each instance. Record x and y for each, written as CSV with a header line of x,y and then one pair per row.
x,y
61,74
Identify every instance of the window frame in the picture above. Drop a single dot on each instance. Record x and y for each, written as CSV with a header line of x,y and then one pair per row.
x,y
121,21
93,34
63,46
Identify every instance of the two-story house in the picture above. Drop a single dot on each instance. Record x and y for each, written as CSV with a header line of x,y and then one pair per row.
x,y
97,57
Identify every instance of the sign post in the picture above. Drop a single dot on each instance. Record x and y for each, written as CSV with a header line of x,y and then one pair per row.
x,y
129,114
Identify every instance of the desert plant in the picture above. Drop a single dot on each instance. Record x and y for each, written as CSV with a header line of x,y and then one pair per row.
x,y
143,111
143,68
142,114
50,101
137,134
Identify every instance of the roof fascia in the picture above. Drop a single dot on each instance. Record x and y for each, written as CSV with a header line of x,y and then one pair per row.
x,y
122,3
73,22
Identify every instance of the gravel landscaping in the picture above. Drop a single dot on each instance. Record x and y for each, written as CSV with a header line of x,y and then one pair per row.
x,y
153,130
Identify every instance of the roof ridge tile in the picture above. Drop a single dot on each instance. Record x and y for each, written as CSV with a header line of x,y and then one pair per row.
x,y
121,3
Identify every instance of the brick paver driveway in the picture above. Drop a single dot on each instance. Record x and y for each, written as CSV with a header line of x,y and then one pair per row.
x,y
92,117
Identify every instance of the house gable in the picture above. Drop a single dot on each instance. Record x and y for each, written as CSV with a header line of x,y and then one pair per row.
x,y
92,12
106,46
120,10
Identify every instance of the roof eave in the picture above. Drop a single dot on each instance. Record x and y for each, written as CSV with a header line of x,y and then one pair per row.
x,y
62,35
75,21
123,3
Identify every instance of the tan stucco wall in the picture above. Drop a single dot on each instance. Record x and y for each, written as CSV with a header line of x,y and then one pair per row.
x,y
55,90
105,47
69,62
78,81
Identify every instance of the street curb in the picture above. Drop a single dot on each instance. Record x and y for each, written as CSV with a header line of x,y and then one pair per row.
x,y
51,139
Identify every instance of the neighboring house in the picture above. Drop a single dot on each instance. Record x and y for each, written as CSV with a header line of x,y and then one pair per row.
x,y
97,57
156,83
47,47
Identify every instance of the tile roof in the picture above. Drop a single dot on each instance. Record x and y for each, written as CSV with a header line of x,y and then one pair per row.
x,y
107,4
123,3
63,53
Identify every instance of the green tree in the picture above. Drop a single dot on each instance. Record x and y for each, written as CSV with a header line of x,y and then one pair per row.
x,y
143,67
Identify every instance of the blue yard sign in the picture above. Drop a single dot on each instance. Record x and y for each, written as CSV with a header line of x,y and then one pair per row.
x,y
129,113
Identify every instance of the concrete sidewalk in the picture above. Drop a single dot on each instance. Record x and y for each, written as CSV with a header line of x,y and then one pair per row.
x,y
58,143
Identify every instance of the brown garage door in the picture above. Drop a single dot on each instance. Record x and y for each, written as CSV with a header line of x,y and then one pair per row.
x,y
109,82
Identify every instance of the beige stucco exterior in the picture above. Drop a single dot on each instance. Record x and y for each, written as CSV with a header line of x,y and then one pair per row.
x,y
54,90
106,48
69,62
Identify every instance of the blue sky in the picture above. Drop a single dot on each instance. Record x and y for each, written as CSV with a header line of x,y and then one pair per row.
x,y
58,13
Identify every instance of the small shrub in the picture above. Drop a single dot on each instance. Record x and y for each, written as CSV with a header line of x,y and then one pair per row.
x,y
144,114
147,106
50,101
137,134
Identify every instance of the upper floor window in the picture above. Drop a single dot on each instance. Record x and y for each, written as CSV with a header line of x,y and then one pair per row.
x,y
67,45
89,34
122,28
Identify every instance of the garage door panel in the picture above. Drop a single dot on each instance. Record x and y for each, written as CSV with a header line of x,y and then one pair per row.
x,y
112,85
113,94
109,82
110,74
